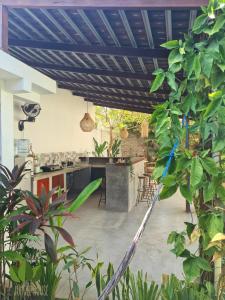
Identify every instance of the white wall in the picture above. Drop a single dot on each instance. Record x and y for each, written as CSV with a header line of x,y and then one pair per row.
x,y
57,128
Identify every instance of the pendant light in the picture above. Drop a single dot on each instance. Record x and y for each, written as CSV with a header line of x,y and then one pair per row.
x,y
87,124
124,133
144,129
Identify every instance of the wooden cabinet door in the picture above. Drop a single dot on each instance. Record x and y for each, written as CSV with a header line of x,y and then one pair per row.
x,y
58,181
42,183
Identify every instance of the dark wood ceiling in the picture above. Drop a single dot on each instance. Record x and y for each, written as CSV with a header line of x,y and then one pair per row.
x,y
106,56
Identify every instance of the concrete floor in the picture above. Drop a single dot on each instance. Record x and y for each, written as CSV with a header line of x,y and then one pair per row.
x,y
110,233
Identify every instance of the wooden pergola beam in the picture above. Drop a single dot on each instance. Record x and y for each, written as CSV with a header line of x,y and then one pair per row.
x,y
113,104
105,4
117,51
3,28
120,102
63,85
89,71
86,93
146,111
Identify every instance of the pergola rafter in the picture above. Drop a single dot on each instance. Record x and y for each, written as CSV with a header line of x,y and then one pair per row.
x,y
94,47
104,4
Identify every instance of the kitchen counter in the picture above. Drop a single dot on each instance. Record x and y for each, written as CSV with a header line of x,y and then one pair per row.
x,y
61,171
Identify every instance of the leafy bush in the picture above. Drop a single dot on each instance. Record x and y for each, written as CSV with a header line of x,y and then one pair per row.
x,y
24,217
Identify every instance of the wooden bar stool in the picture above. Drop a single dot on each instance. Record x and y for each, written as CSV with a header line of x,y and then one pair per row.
x,y
102,199
141,191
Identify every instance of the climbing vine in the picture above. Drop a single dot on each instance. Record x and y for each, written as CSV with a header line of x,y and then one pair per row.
x,y
196,81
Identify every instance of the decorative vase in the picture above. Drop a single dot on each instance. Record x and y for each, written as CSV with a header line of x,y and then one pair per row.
x,y
144,129
124,133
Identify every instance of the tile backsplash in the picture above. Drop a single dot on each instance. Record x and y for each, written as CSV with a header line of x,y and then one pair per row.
x,y
59,157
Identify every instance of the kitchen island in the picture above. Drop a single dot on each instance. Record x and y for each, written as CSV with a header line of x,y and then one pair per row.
x,y
121,180
122,184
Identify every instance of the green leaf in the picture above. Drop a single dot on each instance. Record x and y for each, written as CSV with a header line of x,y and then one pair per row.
x,y
197,66
191,268
22,271
176,68
186,193
189,103
171,80
168,191
174,57
12,256
190,228
203,264
212,107
222,67
157,173
215,95
220,21
84,195
221,192
170,44
208,192
158,81
169,180
218,145
215,225
217,77
37,273
207,63
76,290
196,172
209,165
172,237
189,65
199,23
13,274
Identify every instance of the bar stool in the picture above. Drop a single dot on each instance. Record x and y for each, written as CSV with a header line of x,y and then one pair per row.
x,y
102,189
146,189
141,191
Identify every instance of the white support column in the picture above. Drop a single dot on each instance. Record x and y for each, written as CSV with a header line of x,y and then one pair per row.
x,y
6,129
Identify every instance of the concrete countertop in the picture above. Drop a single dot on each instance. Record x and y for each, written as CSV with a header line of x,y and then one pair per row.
x,y
80,167
58,172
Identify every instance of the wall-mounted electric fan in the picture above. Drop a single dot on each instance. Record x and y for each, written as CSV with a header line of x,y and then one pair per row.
x,y
31,111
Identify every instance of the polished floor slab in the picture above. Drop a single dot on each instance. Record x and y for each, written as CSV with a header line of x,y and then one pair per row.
x,y
109,234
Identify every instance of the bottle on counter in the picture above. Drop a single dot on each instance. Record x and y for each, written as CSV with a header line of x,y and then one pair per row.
x,y
30,160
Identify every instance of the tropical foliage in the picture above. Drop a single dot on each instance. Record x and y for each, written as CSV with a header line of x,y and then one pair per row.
x,y
118,118
196,78
100,148
116,147
139,287
25,219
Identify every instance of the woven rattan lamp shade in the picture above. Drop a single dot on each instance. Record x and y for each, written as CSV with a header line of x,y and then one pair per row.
x,y
124,133
87,124
144,129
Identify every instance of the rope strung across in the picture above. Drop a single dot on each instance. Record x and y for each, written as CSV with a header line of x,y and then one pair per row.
x,y
132,248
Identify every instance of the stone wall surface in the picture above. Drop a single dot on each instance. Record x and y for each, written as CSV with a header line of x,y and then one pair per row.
x,y
133,146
